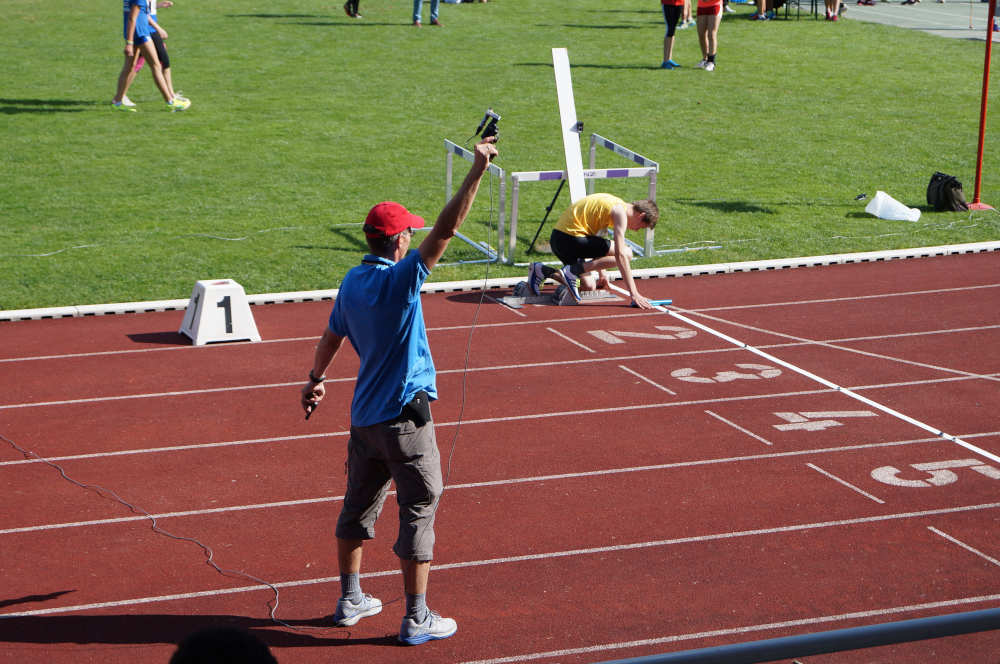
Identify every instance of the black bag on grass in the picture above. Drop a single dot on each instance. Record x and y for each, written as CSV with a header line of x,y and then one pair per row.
x,y
944,193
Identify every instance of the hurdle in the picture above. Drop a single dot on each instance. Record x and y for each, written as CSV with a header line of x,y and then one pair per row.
x,y
649,165
648,169
507,241
492,255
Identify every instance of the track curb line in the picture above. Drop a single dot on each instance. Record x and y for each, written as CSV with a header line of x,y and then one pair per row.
x,y
80,311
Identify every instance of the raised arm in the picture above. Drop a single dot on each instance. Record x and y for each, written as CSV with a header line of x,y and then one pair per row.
x,y
457,209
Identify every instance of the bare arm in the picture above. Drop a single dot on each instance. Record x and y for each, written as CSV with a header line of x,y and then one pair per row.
x,y
133,16
457,209
620,221
326,350
156,26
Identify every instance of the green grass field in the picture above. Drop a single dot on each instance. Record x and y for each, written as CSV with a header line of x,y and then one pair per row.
x,y
303,118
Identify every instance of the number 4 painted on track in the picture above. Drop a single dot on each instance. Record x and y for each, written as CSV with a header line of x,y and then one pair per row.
x,y
812,421
939,472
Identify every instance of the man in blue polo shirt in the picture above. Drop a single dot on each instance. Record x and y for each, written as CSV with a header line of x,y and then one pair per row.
x,y
392,435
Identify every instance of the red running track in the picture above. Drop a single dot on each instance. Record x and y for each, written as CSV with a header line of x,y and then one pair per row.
x,y
621,483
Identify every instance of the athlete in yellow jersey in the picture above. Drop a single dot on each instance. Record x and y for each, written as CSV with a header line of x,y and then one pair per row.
x,y
580,241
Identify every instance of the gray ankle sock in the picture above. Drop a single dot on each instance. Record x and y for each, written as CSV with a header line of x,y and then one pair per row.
x,y
350,587
416,607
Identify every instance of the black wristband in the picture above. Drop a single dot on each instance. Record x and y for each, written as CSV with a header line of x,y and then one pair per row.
x,y
314,379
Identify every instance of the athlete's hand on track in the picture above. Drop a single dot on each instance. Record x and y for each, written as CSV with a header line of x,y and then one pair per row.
x,y
641,302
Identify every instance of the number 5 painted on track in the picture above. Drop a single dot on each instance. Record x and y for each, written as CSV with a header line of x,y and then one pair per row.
x,y
939,472
762,371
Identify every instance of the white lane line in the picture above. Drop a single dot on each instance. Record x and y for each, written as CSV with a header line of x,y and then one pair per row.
x,y
489,420
911,383
510,309
165,515
475,485
485,420
823,381
698,539
734,631
848,349
616,316
738,427
850,298
964,545
500,367
651,382
239,388
571,340
843,390
922,333
210,347
156,395
845,483
177,448
132,351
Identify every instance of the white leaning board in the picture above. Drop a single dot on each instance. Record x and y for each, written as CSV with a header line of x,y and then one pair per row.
x,y
567,118
218,311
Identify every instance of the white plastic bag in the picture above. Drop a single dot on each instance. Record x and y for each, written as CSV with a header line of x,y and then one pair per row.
x,y
885,206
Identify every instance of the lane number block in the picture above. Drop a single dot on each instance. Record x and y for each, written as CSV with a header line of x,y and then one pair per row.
x,y
218,311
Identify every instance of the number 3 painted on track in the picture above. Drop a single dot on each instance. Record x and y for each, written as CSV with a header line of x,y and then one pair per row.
x,y
762,371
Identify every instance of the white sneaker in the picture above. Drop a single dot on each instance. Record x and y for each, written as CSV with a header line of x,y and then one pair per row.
x,y
432,628
127,102
701,64
709,66
348,614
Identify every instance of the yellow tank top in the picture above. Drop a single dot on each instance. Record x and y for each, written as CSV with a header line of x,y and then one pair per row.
x,y
590,215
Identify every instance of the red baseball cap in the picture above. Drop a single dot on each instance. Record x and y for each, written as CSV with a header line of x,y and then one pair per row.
x,y
388,218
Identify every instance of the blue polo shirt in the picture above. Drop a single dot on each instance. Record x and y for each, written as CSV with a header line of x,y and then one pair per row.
x,y
378,309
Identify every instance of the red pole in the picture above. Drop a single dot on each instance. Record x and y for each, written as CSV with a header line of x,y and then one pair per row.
x,y
976,204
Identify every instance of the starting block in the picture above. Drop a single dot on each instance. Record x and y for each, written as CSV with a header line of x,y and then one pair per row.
x,y
561,297
218,311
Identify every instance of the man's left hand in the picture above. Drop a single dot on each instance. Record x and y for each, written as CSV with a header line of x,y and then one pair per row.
x,y
312,394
